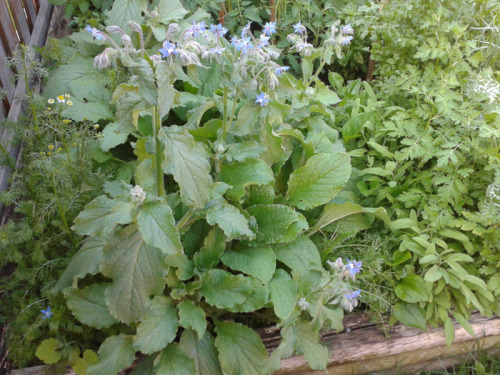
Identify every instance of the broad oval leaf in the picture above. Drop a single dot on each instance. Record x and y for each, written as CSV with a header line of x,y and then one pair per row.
x,y
157,225
301,255
283,292
137,270
259,262
412,289
173,361
192,316
241,352
230,219
319,180
245,173
202,352
410,314
224,290
158,327
89,307
187,161
115,353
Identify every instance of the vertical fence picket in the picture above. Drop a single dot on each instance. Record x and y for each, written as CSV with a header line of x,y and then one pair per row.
x,y
8,33
272,7
30,12
37,5
5,75
16,8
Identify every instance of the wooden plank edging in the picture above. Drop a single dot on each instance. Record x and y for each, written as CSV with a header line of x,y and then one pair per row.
x,y
38,38
366,348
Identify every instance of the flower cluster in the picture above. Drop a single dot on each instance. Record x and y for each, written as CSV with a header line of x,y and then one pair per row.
x,y
138,195
487,86
61,99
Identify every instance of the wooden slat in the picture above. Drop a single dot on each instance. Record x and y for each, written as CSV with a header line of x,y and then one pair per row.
x,y
31,12
16,8
37,5
5,75
18,104
8,33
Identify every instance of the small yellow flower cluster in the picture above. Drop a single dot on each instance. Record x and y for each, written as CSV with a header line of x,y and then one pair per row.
x,y
62,99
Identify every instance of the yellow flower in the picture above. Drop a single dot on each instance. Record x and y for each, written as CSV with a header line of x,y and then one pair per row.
x,y
51,101
49,108
60,99
70,103
51,147
49,153
66,121
96,126
59,149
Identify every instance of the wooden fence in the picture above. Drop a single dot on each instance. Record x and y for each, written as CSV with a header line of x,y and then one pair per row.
x,y
21,22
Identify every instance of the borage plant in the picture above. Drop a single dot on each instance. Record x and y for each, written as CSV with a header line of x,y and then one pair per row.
x,y
220,228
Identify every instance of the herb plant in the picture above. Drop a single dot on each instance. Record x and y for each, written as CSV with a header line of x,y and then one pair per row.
x,y
237,168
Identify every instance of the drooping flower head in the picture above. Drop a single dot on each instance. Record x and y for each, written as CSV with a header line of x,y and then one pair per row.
x,y
353,267
196,28
353,295
262,99
269,28
246,29
168,49
47,313
347,29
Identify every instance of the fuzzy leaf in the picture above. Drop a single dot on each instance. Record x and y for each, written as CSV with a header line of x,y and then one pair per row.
x,y
230,219
100,216
319,180
241,351
187,161
245,173
274,221
308,342
85,261
213,247
192,316
411,289
224,290
89,307
301,255
202,352
124,11
173,361
170,10
158,327
137,270
157,225
247,117
283,292
115,353
259,262
145,80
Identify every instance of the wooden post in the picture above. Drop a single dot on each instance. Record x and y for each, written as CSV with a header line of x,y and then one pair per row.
x,y
272,7
23,29
371,63
222,13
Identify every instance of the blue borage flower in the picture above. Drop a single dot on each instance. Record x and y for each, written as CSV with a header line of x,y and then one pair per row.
x,y
244,44
299,28
196,28
246,29
353,267
347,29
262,99
168,49
262,41
218,30
96,34
353,295
281,69
47,313
346,40
269,28
217,50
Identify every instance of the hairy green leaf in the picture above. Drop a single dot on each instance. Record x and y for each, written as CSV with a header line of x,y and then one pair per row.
x,y
259,262
202,352
115,353
224,290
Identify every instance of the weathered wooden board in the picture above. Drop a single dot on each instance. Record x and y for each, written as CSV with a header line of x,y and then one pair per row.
x,y
18,103
23,29
29,6
369,348
8,33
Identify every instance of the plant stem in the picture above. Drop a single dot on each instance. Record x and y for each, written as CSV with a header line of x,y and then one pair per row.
x,y
224,120
182,222
320,68
61,212
160,189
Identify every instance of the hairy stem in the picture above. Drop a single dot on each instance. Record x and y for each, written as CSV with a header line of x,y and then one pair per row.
x,y
160,189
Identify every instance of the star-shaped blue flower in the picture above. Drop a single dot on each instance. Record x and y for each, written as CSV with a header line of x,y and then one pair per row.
x,y
168,49
47,313
353,295
196,28
281,69
262,99
353,266
218,30
298,28
244,44
269,28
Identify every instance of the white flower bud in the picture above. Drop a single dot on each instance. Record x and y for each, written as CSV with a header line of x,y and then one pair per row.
x,y
114,30
102,60
126,40
135,26
173,28
154,14
303,304
219,148
138,195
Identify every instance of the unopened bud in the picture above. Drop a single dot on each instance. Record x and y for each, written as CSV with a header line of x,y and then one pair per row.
x,y
253,84
114,30
154,14
126,40
173,28
135,26
102,60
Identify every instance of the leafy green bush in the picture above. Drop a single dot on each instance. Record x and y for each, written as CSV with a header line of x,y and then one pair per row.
x,y
237,168
426,145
